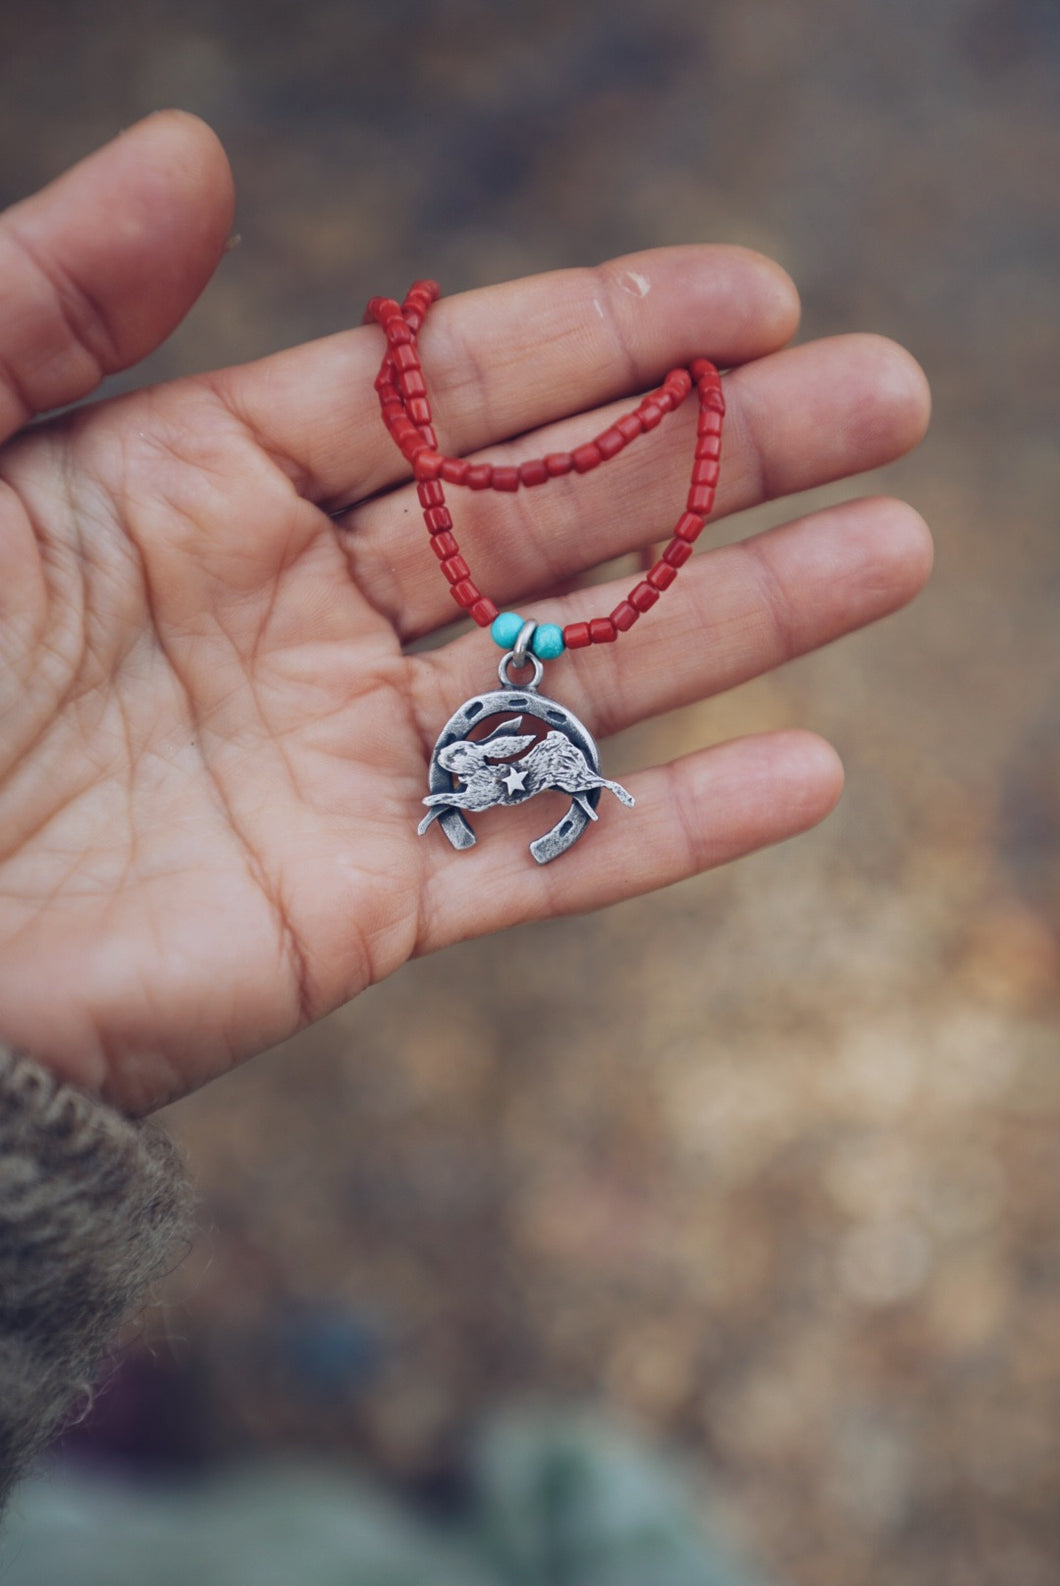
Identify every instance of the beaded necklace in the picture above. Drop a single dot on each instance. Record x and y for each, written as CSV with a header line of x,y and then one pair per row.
x,y
508,766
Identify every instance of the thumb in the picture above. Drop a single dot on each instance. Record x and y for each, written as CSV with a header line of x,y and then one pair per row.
x,y
98,267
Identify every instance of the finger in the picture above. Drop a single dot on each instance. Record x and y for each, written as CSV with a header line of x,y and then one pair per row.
x,y
510,358
797,419
733,614
692,815
100,266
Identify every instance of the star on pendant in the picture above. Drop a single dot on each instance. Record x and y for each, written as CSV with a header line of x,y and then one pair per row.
x,y
515,781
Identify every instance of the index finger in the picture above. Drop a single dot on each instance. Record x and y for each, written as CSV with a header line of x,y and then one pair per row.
x,y
509,358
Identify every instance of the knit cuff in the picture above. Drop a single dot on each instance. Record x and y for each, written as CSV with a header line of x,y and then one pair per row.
x,y
94,1209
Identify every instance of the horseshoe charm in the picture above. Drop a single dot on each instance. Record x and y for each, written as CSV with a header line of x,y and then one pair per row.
x,y
509,765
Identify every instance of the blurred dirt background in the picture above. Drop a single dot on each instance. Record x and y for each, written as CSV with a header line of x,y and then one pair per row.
x,y
769,1164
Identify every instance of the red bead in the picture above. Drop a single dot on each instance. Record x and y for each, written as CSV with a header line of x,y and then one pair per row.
x,y
412,383
643,597
576,635
438,519
506,479
426,289
465,594
677,553
610,443
680,383
428,463
708,422
484,612
479,476
405,358
384,308
533,473
705,471
397,332
702,368
430,491
624,616
630,426
454,470
701,498
444,546
662,575
689,526
427,431
664,399
455,569
602,631
419,411
651,414
712,398
559,463
586,457
709,445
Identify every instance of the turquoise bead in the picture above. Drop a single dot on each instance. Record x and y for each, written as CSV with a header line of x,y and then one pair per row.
x,y
547,642
506,629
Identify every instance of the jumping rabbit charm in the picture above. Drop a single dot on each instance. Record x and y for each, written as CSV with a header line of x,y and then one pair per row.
x,y
509,767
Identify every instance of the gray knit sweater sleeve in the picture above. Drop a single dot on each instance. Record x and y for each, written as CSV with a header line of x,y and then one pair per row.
x,y
94,1209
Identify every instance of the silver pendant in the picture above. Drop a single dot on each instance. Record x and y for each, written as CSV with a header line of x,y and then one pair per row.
x,y
508,766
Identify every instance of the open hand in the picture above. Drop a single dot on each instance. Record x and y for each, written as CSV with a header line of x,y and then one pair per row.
x,y
213,736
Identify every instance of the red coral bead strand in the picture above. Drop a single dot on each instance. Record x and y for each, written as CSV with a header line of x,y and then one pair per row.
x,y
699,503
405,408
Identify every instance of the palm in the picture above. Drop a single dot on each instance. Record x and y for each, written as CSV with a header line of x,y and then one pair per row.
x,y
208,830
215,738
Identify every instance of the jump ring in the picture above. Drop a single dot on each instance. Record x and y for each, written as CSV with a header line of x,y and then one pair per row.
x,y
509,661
523,642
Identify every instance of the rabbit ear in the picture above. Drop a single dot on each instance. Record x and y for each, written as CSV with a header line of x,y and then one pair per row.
x,y
505,748
507,729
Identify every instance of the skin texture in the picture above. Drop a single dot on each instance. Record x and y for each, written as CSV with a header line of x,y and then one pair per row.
x,y
213,741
